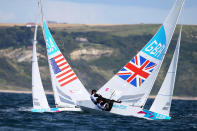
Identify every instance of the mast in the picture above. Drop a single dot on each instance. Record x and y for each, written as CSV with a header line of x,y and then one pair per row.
x,y
50,68
42,16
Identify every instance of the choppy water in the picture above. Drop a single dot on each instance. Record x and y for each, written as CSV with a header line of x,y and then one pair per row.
x,y
14,115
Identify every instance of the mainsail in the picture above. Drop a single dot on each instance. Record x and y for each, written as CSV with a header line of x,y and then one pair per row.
x,y
133,83
38,94
162,102
67,88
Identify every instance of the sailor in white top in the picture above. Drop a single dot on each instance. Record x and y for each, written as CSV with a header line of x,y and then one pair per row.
x,y
94,97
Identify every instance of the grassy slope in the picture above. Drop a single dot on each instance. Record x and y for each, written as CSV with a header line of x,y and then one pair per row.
x,y
125,39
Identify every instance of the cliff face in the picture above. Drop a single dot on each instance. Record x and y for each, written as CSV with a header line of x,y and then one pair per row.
x,y
19,54
90,54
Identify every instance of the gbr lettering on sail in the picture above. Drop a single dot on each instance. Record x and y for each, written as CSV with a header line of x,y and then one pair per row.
x,y
155,48
157,45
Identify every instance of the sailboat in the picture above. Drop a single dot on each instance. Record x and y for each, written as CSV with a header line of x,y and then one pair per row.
x,y
40,103
67,88
133,83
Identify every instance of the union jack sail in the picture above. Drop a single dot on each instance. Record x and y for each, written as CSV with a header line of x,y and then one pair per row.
x,y
62,70
137,70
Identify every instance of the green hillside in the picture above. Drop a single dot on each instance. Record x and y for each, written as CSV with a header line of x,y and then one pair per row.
x,y
95,53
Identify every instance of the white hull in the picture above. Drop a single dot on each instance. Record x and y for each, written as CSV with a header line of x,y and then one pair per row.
x,y
123,109
74,109
119,109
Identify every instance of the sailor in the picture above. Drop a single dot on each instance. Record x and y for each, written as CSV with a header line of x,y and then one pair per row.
x,y
94,97
101,102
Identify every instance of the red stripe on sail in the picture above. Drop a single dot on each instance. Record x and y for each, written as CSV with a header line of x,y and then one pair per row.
x,y
68,81
124,73
150,67
65,68
62,64
139,81
57,56
136,60
63,73
59,60
66,77
137,71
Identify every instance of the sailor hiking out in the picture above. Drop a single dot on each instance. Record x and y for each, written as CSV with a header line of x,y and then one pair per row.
x,y
101,102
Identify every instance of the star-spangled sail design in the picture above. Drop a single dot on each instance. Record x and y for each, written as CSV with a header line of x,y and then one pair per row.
x,y
65,83
63,78
63,72
137,70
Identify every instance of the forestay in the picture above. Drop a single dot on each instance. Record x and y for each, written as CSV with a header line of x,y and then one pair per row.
x,y
133,83
38,94
162,102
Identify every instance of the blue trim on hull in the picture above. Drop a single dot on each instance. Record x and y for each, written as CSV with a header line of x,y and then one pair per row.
x,y
46,110
154,116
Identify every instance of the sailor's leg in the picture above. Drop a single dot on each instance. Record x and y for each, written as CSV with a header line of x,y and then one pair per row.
x,y
108,106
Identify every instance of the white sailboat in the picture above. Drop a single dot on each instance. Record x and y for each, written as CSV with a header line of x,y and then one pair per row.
x,y
162,102
67,88
133,83
40,103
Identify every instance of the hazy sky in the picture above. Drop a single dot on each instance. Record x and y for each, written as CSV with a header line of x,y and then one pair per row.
x,y
94,11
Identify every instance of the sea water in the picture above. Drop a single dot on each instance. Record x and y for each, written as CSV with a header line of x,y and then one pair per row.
x,y
15,114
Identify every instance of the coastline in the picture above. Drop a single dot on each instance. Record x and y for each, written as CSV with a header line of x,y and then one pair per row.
x,y
22,92
50,92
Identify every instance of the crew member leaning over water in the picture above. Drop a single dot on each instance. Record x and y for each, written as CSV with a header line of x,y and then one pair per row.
x,y
101,102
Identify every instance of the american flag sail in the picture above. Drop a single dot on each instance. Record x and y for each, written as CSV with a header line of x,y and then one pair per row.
x,y
137,70
64,80
62,70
